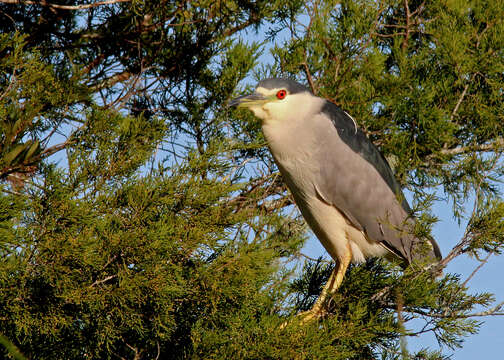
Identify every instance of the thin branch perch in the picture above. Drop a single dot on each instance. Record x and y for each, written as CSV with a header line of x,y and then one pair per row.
x,y
63,7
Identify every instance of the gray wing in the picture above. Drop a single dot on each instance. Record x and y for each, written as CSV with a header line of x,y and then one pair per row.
x,y
356,179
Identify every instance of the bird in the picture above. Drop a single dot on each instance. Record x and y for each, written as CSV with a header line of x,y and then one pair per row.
x,y
342,184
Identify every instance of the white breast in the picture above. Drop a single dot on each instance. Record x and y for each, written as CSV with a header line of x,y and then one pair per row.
x,y
293,147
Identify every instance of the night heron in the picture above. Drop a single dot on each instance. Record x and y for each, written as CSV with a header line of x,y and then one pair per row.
x,y
343,186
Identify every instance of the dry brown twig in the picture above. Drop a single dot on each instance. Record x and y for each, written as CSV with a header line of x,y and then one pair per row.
x,y
63,7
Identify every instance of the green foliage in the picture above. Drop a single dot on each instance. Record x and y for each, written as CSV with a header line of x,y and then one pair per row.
x,y
486,228
139,218
31,102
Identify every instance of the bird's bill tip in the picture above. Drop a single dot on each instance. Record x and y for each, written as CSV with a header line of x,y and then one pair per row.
x,y
247,100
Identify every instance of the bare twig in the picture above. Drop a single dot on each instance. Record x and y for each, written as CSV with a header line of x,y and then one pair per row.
x,y
63,7
494,311
235,169
455,109
313,259
53,149
499,142
309,77
253,19
483,262
135,350
388,35
109,261
456,251
408,23
305,62
98,282
419,9
496,145
111,81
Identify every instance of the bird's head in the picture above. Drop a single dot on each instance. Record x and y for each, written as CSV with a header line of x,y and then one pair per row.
x,y
276,99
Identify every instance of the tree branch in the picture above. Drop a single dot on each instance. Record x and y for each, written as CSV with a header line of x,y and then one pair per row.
x,y
477,269
498,143
408,23
98,282
494,311
456,251
227,33
309,77
454,112
111,81
63,7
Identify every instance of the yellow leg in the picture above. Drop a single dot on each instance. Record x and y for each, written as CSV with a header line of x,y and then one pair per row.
x,y
335,280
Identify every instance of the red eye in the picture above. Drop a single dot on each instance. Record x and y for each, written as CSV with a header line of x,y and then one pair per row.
x,y
281,94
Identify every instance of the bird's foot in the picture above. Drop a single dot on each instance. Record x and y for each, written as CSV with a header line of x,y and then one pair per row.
x,y
312,314
307,316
